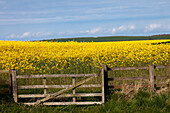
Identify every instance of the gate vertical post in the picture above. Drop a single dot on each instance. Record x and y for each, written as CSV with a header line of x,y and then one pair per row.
x,y
151,77
45,83
74,91
14,85
104,83
10,81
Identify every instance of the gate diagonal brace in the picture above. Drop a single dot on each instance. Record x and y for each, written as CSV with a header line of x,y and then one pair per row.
x,y
64,90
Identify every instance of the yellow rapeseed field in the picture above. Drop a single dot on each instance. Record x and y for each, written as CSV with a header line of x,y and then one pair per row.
x,y
41,57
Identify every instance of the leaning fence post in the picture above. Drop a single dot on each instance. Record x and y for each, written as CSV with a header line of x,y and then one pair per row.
x,y
151,77
14,85
104,83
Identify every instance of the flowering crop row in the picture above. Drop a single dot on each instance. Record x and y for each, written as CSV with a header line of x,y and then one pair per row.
x,y
45,57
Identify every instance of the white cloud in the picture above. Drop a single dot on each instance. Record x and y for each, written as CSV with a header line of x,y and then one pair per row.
x,y
152,27
93,31
100,30
26,34
123,28
30,35
114,30
131,27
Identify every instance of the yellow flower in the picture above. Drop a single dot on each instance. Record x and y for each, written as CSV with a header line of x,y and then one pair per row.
x,y
69,55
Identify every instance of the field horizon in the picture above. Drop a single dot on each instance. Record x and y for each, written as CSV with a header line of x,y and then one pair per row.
x,y
109,38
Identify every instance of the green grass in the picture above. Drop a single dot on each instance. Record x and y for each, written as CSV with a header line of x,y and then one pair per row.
x,y
109,38
118,103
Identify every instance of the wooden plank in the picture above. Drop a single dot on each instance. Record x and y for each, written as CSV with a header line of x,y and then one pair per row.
x,y
104,83
145,85
81,95
4,81
74,91
129,68
90,86
44,83
71,103
56,86
56,75
4,71
64,90
136,78
60,96
65,103
14,85
151,77
103,90
160,66
120,86
10,81
161,77
127,78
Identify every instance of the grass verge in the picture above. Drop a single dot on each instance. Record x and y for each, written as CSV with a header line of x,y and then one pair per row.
x,y
117,103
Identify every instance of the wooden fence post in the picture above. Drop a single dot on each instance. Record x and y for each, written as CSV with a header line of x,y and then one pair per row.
x,y
104,83
10,81
14,85
45,83
151,77
74,91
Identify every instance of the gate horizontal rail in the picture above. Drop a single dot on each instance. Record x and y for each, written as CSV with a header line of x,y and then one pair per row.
x,y
55,75
51,95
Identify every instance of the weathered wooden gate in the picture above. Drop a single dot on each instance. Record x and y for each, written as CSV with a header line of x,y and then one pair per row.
x,y
45,97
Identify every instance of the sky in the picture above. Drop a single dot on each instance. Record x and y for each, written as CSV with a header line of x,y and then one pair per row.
x,y
48,19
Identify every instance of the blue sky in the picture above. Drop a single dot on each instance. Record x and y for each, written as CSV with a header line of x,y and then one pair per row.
x,y
46,19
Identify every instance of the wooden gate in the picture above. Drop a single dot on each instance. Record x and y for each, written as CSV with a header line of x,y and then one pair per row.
x,y
44,98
